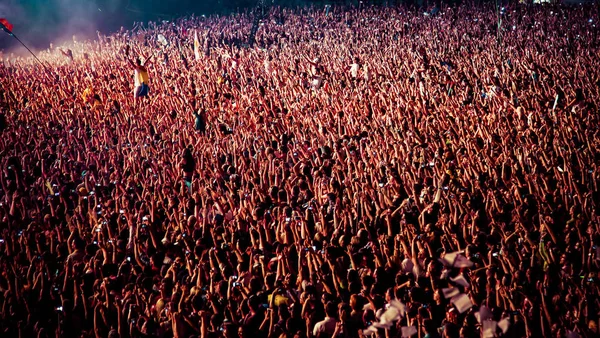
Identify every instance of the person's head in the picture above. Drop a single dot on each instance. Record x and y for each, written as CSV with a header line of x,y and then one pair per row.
x,y
368,281
356,302
138,61
390,295
282,196
113,334
344,311
429,325
363,236
253,303
593,327
187,153
451,330
270,279
283,311
331,310
352,275
354,287
78,243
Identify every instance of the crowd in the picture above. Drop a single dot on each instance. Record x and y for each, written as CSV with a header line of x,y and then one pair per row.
x,y
371,172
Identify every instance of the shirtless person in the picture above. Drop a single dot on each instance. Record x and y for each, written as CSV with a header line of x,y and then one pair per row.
x,y
140,77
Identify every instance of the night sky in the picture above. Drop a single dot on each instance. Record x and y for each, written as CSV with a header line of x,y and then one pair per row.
x,y
39,22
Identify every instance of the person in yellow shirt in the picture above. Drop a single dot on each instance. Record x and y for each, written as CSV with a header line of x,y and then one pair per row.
x,y
140,77
88,93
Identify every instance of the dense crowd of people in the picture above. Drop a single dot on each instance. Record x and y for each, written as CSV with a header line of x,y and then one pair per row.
x,y
371,172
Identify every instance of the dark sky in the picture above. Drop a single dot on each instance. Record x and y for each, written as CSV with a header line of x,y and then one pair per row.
x,y
39,22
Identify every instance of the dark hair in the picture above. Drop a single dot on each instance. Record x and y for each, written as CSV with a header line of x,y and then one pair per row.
x,y
253,303
429,325
331,310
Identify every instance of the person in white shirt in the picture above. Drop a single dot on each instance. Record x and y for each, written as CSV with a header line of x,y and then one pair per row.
x,y
366,72
317,81
326,327
354,68
267,64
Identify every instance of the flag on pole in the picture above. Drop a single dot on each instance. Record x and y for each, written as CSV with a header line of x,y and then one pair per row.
x,y
6,26
196,46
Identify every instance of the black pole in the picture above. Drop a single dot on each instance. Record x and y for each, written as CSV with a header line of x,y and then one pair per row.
x,y
21,42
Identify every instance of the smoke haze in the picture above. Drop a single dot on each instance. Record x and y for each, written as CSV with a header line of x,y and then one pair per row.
x,y
41,22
